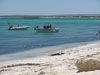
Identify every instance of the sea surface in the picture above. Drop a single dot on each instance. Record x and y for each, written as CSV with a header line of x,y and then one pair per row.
x,y
72,30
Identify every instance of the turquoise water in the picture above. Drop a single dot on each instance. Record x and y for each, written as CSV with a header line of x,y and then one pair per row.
x,y
72,30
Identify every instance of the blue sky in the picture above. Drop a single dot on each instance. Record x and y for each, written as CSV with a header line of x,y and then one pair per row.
x,y
49,7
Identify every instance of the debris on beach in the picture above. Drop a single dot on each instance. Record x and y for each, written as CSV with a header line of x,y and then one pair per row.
x,y
55,54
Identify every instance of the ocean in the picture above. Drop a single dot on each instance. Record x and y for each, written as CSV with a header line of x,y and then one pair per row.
x,y
72,31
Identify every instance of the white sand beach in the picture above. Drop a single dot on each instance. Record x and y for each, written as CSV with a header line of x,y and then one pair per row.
x,y
53,64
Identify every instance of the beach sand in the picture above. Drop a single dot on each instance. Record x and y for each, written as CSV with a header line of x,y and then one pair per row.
x,y
58,63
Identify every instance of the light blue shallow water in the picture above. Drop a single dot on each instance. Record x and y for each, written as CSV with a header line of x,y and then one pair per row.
x,y
72,30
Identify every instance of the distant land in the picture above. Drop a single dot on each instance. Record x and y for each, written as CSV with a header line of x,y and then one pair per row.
x,y
53,16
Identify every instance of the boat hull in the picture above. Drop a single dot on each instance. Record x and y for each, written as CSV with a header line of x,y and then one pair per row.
x,y
47,30
19,28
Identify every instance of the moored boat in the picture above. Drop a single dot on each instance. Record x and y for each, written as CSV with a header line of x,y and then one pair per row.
x,y
98,32
18,28
41,30
46,29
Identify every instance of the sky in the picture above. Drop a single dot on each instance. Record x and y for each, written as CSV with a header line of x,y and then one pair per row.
x,y
49,7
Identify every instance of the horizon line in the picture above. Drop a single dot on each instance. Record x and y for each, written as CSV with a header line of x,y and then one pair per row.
x,y
57,15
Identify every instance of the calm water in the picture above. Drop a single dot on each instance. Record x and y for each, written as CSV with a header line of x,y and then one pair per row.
x,y
71,31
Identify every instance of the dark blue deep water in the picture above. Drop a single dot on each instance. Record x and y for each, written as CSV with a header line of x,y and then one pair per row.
x,y
72,30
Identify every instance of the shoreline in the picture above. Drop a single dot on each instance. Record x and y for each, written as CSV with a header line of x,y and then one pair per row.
x,y
53,16
39,52
45,65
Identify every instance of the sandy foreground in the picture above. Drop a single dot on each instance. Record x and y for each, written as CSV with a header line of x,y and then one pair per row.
x,y
56,64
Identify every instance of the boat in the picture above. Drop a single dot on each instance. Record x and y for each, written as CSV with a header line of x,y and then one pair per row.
x,y
98,32
18,28
46,29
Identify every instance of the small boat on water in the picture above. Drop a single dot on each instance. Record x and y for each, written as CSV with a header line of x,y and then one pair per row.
x,y
41,30
18,28
46,29
98,32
